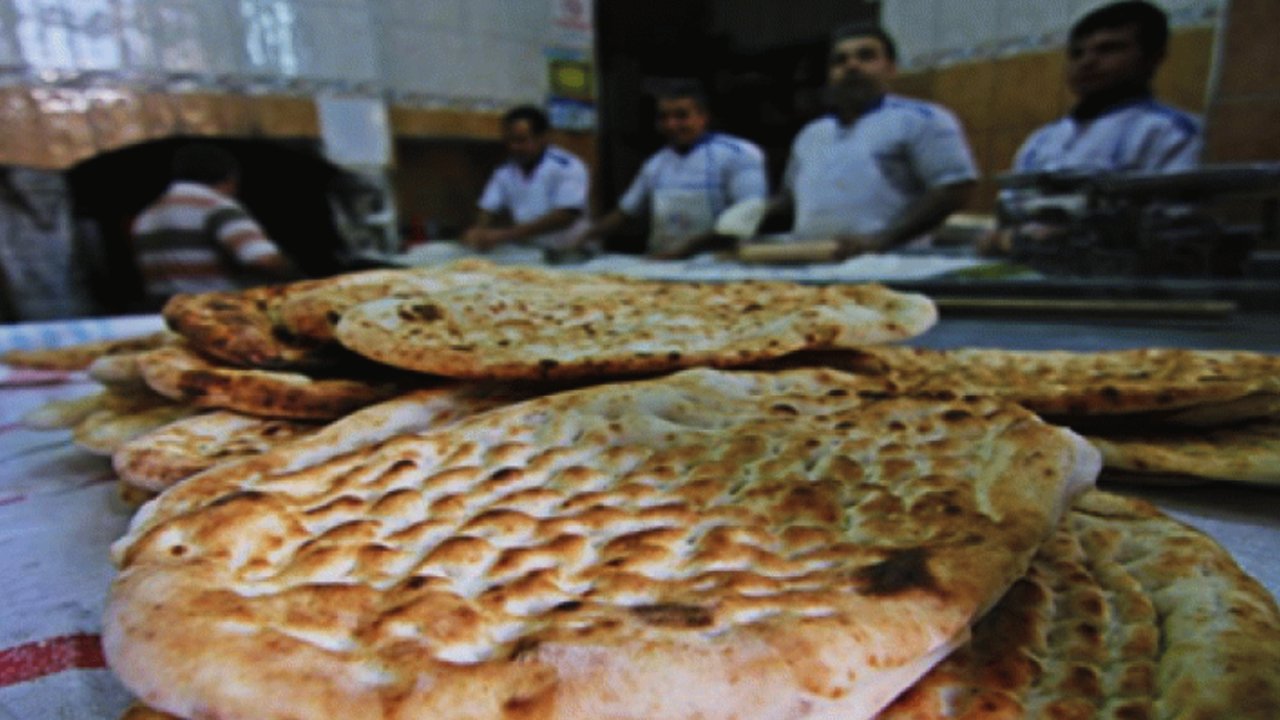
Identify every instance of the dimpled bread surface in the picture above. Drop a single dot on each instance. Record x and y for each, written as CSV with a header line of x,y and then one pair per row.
x,y
1247,452
314,313
1062,383
180,374
1125,614
592,330
712,544
164,456
242,328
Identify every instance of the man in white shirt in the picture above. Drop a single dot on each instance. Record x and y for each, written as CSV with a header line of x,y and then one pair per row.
x,y
882,169
542,187
1116,125
685,186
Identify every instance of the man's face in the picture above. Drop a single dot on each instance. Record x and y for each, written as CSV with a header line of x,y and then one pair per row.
x,y
860,59
681,121
523,144
1107,59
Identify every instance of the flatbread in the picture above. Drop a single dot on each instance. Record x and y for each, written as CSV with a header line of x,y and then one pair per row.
x,y
64,414
162,457
117,370
1091,633
584,331
1188,386
314,313
180,374
79,356
1238,453
70,412
242,328
105,431
1125,613
772,545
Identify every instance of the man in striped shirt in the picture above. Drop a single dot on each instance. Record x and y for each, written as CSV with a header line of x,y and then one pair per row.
x,y
196,237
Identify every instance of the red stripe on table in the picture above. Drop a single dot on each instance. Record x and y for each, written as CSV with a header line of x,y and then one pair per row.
x,y
48,657
12,500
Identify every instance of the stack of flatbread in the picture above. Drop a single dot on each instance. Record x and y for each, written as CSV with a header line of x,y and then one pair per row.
x,y
606,498
1157,415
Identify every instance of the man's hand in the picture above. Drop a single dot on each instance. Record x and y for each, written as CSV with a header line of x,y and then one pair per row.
x,y
848,246
481,238
994,242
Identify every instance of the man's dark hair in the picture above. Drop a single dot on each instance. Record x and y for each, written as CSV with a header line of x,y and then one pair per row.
x,y
204,164
537,119
865,30
1151,23
682,89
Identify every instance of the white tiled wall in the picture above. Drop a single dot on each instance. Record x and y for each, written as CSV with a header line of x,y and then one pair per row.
x,y
939,32
473,51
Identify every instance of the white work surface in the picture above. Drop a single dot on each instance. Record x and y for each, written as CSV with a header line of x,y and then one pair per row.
x,y
59,512
708,267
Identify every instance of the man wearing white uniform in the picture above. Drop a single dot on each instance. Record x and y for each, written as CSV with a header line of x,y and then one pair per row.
x,y
882,169
1116,125
542,187
685,186
1112,57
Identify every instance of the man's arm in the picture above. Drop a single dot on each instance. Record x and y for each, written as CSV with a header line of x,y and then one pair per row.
x,y
602,228
924,214
245,239
484,236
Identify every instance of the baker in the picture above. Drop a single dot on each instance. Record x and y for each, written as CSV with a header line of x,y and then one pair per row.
x,y
685,186
542,187
879,170
1116,125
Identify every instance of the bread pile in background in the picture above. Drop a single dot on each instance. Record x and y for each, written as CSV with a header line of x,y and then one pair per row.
x,y
475,492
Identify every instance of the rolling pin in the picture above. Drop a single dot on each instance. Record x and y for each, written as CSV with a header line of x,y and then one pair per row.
x,y
790,252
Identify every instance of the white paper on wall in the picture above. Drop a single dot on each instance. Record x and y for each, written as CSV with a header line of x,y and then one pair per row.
x,y
355,130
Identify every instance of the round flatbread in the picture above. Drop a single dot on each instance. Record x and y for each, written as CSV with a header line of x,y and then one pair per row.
x,y
105,431
242,328
1170,385
1124,613
1248,452
602,330
314,313
160,458
770,544
177,451
182,375
81,355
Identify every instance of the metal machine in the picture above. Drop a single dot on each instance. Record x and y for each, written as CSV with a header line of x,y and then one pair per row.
x,y
1198,223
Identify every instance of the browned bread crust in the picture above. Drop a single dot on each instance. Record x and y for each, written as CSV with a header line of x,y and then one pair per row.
x,y
242,328
1125,613
1247,452
1168,383
80,356
711,544
593,330
178,373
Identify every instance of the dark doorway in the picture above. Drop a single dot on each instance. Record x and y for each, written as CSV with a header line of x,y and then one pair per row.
x,y
762,62
285,184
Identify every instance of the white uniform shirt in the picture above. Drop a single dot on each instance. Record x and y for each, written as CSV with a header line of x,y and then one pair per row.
x,y
1142,136
558,181
685,193
857,179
